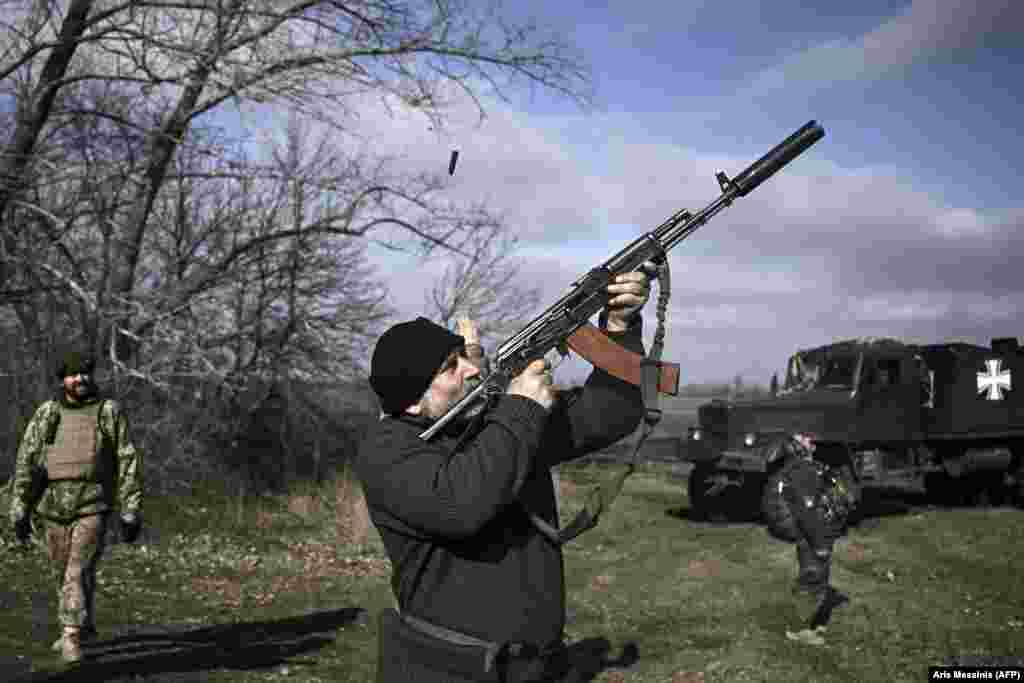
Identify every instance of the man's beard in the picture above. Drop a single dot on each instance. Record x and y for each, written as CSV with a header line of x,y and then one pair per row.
x,y
80,391
435,408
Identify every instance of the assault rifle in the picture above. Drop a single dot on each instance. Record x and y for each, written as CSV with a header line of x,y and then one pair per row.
x,y
565,324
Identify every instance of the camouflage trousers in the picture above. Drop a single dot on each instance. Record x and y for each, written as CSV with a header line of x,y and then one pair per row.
x,y
74,550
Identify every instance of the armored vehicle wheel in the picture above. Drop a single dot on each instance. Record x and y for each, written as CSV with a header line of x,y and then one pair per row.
x,y
1017,485
973,489
941,488
990,489
697,486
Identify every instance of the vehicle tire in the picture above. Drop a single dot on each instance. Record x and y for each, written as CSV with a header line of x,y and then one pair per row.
x,y
749,497
1018,488
942,489
1017,476
696,486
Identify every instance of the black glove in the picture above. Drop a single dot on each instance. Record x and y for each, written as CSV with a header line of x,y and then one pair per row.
x,y
22,529
131,525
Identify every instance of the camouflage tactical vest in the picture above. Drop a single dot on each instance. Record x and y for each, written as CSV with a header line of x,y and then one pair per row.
x,y
78,450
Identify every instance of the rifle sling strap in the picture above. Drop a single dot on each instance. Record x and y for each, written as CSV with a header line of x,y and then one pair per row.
x,y
651,378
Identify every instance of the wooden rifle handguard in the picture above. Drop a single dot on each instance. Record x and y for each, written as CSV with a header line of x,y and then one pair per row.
x,y
590,343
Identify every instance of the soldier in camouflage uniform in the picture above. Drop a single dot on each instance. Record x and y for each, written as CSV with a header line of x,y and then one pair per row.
x,y
808,504
78,445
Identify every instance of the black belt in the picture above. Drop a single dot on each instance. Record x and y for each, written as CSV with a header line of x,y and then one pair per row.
x,y
492,650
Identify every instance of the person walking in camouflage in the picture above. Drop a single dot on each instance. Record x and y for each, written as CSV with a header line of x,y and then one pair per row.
x,y
78,447
807,503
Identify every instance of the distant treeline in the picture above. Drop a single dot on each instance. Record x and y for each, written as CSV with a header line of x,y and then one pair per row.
x,y
723,390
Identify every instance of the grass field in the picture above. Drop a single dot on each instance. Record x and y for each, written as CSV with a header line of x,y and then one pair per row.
x,y
264,591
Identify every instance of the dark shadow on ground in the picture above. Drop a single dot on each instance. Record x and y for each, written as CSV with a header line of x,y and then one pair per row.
x,y
183,656
877,503
179,655
687,514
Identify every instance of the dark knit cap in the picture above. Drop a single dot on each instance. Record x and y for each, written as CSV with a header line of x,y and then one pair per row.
x,y
406,359
74,363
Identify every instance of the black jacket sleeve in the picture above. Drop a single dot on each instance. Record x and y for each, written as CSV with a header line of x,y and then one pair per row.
x,y
605,410
427,490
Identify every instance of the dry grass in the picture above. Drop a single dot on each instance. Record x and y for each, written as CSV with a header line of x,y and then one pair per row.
x,y
305,506
218,589
352,519
703,569
855,552
601,582
688,677
264,520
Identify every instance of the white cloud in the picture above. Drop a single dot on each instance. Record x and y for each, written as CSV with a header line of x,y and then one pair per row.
x,y
995,309
961,223
925,29
900,306
925,306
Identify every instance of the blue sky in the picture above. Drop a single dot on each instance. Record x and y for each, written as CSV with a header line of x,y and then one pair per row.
x,y
904,221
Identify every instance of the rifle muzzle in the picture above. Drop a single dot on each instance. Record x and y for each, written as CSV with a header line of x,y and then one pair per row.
x,y
780,155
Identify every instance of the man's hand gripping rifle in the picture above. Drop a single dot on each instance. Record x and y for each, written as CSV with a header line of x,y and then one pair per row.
x,y
564,325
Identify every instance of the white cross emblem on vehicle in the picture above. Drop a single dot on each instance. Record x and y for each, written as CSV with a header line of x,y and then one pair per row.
x,y
994,381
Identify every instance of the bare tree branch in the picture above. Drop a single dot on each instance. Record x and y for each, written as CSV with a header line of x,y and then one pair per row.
x,y
486,287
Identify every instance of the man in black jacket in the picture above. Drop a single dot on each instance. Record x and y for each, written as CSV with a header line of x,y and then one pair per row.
x,y
480,590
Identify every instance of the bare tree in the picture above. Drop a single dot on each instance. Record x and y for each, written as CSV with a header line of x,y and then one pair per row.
x,y
249,290
312,55
129,225
486,286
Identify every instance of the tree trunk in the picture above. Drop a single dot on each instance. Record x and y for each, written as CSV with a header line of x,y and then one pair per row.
x,y
14,161
129,247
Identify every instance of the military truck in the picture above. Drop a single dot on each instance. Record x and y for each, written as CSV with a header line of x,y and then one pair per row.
x,y
945,419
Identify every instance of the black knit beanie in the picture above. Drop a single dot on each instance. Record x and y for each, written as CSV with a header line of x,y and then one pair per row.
x,y
74,363
406,359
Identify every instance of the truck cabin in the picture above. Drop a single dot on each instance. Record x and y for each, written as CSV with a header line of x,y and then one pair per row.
x,y
821,370
887,372
882,372
875,367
